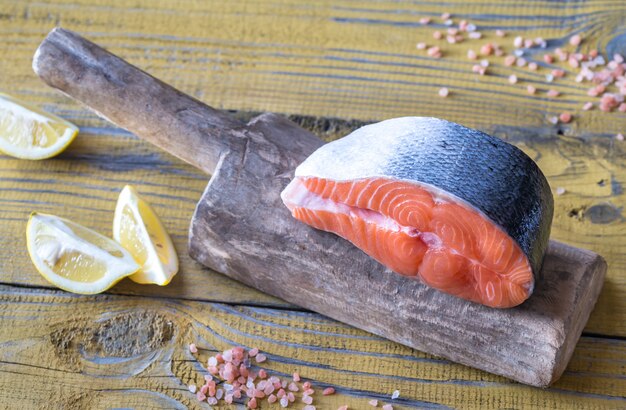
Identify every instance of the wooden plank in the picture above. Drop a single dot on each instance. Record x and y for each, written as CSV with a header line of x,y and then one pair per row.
x,y
63,351
319,60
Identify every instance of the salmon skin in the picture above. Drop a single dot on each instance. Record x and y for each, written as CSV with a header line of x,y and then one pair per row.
x,y
465,212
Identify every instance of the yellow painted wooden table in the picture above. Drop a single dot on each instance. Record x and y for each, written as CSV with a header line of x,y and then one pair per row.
x,y
330,65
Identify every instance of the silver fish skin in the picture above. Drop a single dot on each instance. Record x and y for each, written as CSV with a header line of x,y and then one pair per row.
x,y
493,176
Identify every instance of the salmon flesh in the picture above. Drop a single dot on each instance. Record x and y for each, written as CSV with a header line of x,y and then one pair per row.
x,y
465,212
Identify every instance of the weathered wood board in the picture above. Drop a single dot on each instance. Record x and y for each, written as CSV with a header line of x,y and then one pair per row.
x,y
240,228
325,60
319,62
128,351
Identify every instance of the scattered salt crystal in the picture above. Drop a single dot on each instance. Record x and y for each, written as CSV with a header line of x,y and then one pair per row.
x,y
260,358
575,40
193,348
618,58
373,402
291,397
200,396
521,62
307,399
553,93
553,119
549,78
451,39
252,403
558,73
443,92
463,25
434,52
212,401
528,43
281,393
437,35
212,361
448,22
419,46
253,352
512,79
533,66
541,42
471,54
425,20
588,105
531,89
518,42
484,63
518,53
293,387
560,190
486,49
387,407
228,399
395,394
328,391
475,35
471,27
500,33
565,117
344,407
192,388
309,391
509,60
573,62
306,385
445,16
208,377
308,407
272,398
619,137
548,58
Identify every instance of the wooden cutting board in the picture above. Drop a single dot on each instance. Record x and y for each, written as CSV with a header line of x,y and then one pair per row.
x,y
241,229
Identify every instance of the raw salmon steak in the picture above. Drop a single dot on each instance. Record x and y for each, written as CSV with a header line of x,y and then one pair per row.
x,y
465,212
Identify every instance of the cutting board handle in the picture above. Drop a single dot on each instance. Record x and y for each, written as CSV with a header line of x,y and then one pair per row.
x,y
133,99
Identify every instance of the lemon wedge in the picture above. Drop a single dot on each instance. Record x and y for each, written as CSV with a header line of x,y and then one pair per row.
x,y
138,229
75,258
30,133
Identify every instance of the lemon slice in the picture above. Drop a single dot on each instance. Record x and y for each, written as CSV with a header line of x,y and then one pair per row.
x,y
29,133
138,229
75,258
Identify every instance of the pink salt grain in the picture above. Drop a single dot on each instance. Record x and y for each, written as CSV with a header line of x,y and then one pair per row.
x,y
471,54
281,393
291,397
558,73
192,388
445,16
306,385
553,93
560,190
212,361
531,90
193,348
387,407
253,352
200,396
437,35
309,391
425,20
500,33
486,49
252,403
344,407
575,40
307,399
260,358
443,92
421,46
548,58
622,107
565,117
296,377
509,60
292,387
308,407
512,79
284,402
228,399
328,391
373,402
588,105
272,398
262,374
533,66
619,137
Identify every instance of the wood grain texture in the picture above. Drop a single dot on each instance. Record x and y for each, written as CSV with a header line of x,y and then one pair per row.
x,y
355,60
116,351
240,228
